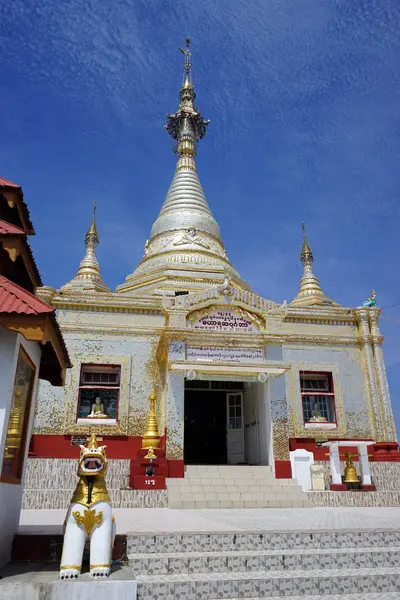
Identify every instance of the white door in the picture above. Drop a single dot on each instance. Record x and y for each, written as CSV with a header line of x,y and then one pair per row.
x,y
235,428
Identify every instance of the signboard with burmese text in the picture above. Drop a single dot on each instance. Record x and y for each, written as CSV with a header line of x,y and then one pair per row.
x,y
223,320
215,354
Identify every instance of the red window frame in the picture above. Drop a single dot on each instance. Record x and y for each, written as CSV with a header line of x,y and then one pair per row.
x,y
96,386
330,393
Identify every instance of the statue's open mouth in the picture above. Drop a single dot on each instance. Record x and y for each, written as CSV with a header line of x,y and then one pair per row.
x,y
92,464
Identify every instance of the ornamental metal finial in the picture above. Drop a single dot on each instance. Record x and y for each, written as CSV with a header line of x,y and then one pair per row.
x,y
187,54
186,126
306,255
92,235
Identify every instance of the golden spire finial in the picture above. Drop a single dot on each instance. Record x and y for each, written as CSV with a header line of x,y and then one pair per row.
x,y
310,292
88,275
186,126
188,64
306,255
92,235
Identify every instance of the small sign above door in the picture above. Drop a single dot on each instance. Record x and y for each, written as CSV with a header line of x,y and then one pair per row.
x,y
222,320
215,354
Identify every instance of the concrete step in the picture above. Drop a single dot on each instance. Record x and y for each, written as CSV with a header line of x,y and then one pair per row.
x,y
209,504
249,495
287,583
235,489
227,562
228,481
227,471
260,541
379,596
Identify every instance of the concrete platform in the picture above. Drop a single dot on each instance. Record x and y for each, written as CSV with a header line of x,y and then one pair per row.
x,y
165,520
38,581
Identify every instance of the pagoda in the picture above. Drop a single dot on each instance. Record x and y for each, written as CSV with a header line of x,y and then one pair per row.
x,y
234,378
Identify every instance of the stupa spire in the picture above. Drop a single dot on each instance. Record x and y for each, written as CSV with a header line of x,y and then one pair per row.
x,y
185,251
310,292
88,276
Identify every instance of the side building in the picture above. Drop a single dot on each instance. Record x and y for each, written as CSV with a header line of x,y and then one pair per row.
x,y
31,349
239,379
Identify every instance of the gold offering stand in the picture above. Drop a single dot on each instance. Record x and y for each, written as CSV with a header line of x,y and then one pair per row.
x,y
149,470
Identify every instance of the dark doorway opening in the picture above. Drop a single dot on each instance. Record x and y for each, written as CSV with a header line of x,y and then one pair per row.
x,y
205,421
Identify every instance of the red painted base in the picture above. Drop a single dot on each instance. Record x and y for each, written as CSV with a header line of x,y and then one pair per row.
x,y
142,482
386,452
368,488
338,487
283,469
137,475
176,468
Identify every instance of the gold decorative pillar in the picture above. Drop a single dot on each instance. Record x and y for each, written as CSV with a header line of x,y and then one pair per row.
x,y
151,439
366,339
388,426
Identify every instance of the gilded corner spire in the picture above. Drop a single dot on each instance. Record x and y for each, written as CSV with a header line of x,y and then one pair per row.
x,y
310,292
88,277
306,255
92,235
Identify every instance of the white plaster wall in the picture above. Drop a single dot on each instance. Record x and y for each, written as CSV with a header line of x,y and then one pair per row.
x,y
350,386
251,424
257,419
11,494
57,407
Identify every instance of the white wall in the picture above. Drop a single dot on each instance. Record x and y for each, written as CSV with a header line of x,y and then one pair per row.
x,y
257,419
11,494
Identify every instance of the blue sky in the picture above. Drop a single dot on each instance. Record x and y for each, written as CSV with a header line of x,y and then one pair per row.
x,y
304,102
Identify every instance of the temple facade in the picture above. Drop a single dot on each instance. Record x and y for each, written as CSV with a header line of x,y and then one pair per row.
x,y
239,379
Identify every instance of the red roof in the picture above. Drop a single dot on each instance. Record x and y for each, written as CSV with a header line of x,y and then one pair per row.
x,y
14,299
8,183
9,229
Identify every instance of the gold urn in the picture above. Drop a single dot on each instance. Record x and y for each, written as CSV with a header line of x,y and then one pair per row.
x,y
151,439
350,473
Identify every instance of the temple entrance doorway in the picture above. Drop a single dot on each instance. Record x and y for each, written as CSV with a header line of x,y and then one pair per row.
x,y
214,422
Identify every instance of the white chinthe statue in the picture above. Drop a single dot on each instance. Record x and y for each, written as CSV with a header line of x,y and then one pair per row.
x,y
89,516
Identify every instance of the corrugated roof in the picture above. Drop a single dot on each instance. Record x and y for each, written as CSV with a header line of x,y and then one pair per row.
x,y
9,229
14,299
8,183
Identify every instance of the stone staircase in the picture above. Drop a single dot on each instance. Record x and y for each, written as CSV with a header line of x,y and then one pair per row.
x,y
223,486
330,565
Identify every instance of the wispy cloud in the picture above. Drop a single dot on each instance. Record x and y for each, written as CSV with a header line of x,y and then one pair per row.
x,y
304,106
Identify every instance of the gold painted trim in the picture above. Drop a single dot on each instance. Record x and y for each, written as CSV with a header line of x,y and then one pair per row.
x,y
100,566
78,567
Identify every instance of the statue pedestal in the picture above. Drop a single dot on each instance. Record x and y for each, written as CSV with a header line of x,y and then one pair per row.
x,y
144,482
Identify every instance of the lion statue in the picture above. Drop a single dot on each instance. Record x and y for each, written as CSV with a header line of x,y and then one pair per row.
x,y
89,516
